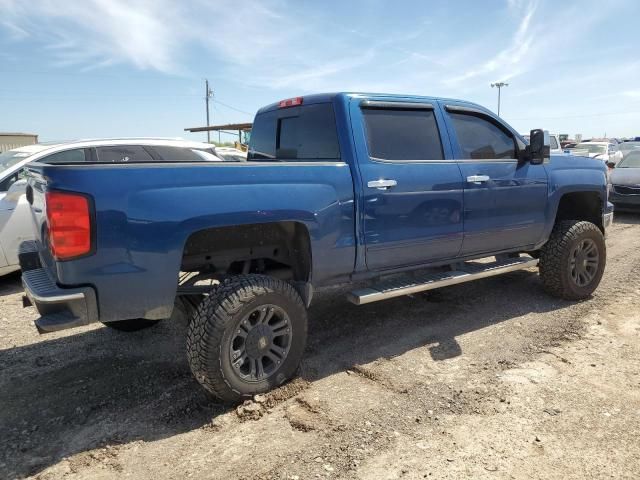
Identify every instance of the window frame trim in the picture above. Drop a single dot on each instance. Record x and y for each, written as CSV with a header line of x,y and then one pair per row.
x,y
391,105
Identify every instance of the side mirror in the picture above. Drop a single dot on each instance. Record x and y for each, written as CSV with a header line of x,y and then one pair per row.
x,y
16,190
539,146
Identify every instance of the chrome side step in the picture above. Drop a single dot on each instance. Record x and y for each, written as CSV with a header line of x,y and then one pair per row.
x,y
465,272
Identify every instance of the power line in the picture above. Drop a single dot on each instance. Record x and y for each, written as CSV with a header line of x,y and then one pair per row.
x,y
4,95
232,108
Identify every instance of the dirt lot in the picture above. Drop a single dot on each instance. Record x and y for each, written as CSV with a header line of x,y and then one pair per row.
x,y
486,380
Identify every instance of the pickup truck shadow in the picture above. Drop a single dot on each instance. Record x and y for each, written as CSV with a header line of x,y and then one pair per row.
x,y
350,335
76,392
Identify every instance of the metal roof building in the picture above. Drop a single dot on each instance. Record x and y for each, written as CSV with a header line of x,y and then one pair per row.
x,y
11,140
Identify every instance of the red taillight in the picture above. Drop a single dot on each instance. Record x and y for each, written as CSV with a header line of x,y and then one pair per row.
x,y
69,222
290,102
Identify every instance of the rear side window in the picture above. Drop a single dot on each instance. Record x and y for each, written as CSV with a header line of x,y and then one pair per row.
x,y
402,134
123,154
554,143
480,139
77,155
179,154
301,133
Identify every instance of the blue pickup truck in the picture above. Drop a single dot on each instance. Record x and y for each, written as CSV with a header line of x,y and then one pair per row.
x,y
392,194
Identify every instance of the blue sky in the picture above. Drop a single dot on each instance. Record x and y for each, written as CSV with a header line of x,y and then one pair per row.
x,y
96,68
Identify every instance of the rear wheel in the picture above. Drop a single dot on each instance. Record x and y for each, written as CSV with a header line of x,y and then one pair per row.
x,y
573,260
247,336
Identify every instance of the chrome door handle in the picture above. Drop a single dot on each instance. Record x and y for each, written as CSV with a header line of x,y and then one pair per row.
x,y
382,184
478,178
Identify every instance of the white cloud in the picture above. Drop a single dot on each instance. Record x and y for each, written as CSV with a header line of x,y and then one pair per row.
x,y
149,34
506,63
279,44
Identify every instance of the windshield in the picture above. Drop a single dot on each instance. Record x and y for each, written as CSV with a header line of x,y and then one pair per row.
x,y
625,147
632,160
591,147
10,158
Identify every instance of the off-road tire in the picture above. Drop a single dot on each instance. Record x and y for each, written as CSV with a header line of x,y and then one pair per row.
x,y
218,318
132,325
555,270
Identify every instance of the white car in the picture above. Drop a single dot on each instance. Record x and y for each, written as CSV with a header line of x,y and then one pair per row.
x,y
606,151
554,143
231,154
15,224
14,209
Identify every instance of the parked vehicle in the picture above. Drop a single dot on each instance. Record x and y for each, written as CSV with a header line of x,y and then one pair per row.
x,y
15,226
15,222
624,191
337,188
628,147
231,154
554,144
605,151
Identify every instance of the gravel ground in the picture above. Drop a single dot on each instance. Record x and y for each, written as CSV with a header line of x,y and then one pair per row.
x,y
491,379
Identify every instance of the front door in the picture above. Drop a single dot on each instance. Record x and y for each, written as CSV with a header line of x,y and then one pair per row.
x,y
412,187
505,199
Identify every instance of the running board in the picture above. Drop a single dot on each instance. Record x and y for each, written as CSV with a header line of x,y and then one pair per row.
x,y
465,272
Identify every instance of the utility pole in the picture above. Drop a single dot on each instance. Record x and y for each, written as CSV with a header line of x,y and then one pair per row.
x,y
208,95
499,86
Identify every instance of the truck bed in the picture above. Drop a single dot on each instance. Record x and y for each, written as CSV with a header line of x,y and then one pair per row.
x,y
144,215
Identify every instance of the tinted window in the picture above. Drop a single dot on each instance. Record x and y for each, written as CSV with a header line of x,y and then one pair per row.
x,y
398,134
68,156
178,154
553,143
123,154
481,139
299,133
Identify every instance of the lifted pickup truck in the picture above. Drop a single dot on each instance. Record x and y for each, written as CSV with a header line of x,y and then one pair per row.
x,y
399,193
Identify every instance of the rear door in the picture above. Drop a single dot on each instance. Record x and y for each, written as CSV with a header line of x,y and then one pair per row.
x,y
504,198
412,187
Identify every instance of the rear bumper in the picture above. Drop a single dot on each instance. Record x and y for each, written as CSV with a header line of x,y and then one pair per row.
x,y
60,308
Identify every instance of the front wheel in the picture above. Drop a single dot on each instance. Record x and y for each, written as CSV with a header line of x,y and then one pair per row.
x,y
247,336
572,261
